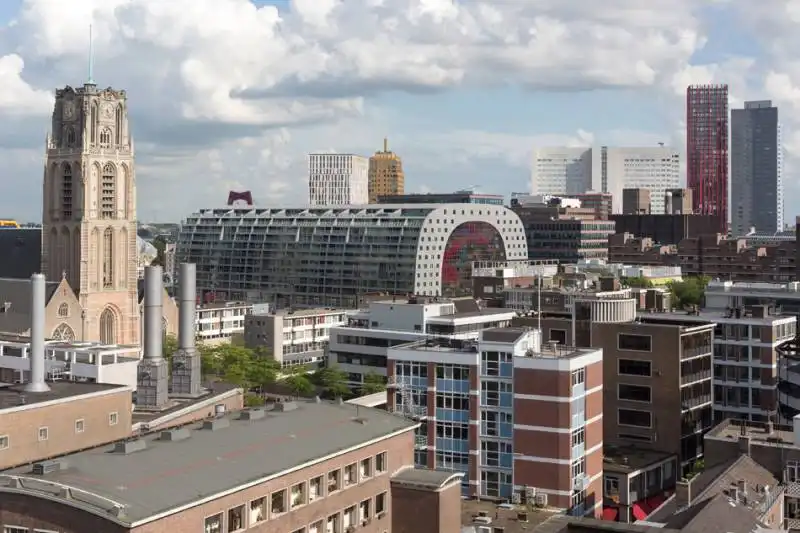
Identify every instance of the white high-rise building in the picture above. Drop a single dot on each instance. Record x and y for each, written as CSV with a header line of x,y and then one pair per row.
x,y
338,179
564,170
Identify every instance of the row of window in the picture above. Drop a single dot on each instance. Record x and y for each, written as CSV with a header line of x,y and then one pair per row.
x,y
43,433
20,529
305,492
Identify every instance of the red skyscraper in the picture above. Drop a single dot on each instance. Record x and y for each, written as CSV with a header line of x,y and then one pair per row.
x,y
707,150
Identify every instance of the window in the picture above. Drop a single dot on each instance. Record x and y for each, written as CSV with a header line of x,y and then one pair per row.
x,y
333,524
113,418
380,463
350,475
108,192
317,527
15,529
43,433
579,436
79,425
258,510
349,518
611,487
108,261
365,468
364,511
214,524
63,310
380,504
558,335
4,442
301,530
634,393
635,343
107,327
334,481
631,367
298,496
105,137
236,519
633,417
315,489
631,436
278,502
578,376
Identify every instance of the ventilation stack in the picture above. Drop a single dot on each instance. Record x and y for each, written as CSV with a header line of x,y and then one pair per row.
x,y
37,383
153,380
186,363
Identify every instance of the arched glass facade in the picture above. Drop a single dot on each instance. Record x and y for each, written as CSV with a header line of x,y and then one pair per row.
x,y
471,241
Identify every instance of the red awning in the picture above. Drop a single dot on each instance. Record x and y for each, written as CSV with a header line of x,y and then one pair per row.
x,y
610,514
638,511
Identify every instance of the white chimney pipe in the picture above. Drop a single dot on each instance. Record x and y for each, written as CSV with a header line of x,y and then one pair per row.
x,y
152,343
36,355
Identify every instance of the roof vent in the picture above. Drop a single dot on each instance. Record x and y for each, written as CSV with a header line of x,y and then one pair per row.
x,y
46,467
360,420
174,435
285,406
252,414
127,447
216,424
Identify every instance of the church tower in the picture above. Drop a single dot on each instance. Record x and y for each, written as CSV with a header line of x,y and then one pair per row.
x,y
89,211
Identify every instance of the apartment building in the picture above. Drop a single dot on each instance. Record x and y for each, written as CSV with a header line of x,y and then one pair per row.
x,y
626,249
746,360
293,337
666,229
491,278
338,180
718,257
333,474
361,347
522,419
220,322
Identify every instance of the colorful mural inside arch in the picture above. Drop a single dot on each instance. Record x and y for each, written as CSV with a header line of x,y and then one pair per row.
x,y
471,241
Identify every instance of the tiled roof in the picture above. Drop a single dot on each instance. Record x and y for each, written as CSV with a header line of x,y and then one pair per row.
x,y
21,252
16,316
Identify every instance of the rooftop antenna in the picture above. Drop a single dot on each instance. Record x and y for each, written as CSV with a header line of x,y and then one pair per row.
x,y
90,81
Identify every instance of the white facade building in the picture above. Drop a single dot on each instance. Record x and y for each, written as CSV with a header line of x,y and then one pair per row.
x,y
218,323
564,170
338,179
362,346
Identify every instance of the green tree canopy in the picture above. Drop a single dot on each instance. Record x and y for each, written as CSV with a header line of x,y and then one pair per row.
x,y
638,282
299,384
160,244
333,381
373,383
688,292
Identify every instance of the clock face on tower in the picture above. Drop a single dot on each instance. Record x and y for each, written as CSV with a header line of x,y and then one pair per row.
x,y
69,110
108,110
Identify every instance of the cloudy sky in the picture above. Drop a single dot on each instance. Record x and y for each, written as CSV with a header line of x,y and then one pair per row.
x,y
232,94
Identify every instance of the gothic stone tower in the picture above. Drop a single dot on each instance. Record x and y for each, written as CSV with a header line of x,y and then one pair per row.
x,y
89,214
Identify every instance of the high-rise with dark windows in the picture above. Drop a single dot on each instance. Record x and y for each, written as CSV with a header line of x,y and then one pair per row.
x,y
756,187
707,150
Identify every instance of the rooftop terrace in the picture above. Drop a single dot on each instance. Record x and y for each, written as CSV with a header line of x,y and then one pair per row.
x,y
627,459
731,429
135,482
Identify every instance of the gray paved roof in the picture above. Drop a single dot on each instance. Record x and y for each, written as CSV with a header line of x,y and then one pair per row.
x,y
17,292
21,252
167,475
13,395
509,335
716,514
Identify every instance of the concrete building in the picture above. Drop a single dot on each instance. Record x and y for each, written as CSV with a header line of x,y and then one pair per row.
x,y
362,346
338,179
220,322
707,151
717,257
490,280
515,415
386,176
335,475
567,234
293,337
89,210
665,229
332,257
636,202
571,171
756,169
458,197
678,202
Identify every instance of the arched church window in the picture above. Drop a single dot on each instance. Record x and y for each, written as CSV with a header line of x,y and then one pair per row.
x,y
71,137
108,258
118,125
108,192
66,191
63,310
105,137
64,333
108,326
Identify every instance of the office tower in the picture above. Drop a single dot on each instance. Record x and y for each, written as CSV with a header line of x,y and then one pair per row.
x,y
707,150
89,213
756,187
338,179
636,202
386,177
568,171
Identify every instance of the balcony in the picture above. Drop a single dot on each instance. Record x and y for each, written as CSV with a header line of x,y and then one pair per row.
x,y
695,377
697,401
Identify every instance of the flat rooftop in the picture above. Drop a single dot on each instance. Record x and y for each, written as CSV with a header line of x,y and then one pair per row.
x,y
290,313
15,395
717,317
759,433
210,390
485,312
502,515
167,475
627,459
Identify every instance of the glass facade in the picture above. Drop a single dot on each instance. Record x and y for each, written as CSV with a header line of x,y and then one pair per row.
x,y
472,241
497,425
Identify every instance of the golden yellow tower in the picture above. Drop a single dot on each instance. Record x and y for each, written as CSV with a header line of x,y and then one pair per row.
x,y
385,174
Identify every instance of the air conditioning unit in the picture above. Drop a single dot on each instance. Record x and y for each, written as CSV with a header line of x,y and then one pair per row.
x,y
541,500
530,493
579,483
516,498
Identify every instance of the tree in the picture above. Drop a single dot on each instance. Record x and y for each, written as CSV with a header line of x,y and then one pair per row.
x,y
688,292
333,381
263,372
299,384
637,282
160,244
170,346
373,383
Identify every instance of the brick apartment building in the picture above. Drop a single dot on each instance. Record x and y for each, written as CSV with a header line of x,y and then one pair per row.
x,y
537,412
666,229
